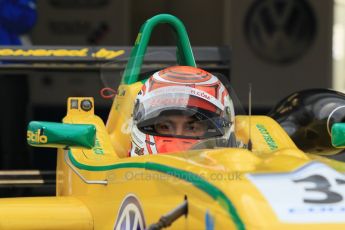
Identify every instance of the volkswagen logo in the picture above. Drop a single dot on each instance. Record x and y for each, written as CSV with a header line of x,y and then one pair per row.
x,y
280,30
131,215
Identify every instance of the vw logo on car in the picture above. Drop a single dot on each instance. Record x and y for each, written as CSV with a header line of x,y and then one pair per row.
x,y
131,215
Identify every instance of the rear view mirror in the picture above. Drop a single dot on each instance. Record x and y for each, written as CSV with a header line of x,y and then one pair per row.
x,y
60,135
338,135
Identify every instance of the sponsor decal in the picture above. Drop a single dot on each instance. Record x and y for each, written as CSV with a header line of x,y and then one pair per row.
x,y
131,215
45,52
98,148
154,102
107,54
314,193
139,151
83,52
36,137
201,94
267,137
183,92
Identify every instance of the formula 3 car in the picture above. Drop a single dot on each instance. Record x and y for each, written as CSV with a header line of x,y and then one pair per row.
x,y
267,184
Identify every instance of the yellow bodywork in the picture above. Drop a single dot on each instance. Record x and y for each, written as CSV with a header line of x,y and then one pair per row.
x,y
44,213
93,184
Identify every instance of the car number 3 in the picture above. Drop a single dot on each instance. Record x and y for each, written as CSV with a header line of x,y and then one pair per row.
x,y
322,185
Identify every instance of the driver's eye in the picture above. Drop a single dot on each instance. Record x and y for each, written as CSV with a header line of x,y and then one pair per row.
x,y
195,129
164,128
191,127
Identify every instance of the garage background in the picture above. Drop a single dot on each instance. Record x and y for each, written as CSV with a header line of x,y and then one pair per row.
x,y
277,46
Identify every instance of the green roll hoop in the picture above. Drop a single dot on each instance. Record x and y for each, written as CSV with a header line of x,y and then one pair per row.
x,y
184,50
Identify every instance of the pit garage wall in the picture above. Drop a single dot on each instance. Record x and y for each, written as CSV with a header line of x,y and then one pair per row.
x,y
272,77
76,23
339,46
64,22
81,22
115,23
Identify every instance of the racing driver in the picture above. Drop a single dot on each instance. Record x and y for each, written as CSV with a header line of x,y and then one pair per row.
x,y
179,107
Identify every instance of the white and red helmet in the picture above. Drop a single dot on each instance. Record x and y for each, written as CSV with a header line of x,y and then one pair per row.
x,y
180,90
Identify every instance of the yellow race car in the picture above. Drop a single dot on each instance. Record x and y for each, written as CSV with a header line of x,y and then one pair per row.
x,y
267,183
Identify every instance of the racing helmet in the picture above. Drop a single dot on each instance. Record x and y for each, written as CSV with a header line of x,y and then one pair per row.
x,y
188,95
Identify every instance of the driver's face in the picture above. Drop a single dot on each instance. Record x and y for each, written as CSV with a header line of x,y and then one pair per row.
x,y
180,125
